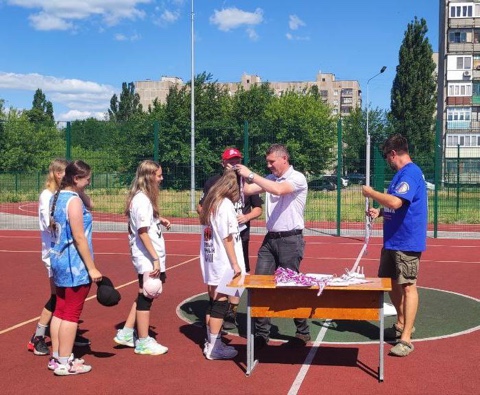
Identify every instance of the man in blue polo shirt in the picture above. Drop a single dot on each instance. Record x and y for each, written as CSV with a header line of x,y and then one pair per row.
x,y
404,212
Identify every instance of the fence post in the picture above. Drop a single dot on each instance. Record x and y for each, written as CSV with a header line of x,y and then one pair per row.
x,y
156,128
339,179
438,172
458,177
68,141
378,173
246,154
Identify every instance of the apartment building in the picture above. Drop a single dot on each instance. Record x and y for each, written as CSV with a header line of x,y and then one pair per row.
x,y
342,95
459,87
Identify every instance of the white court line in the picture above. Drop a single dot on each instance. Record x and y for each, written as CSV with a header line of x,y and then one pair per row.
x,y
89,298
308,361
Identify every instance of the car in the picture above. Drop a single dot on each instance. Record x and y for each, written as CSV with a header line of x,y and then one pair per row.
x,y
321,184
333,178
430,186
356,178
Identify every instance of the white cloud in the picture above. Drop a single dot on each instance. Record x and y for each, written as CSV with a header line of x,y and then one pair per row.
x,y
61,14
80,97
123,37
294,22
170,16
79,115
252,34
291,37
232,18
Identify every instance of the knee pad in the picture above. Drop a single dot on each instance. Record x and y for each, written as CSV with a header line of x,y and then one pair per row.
x,y
143,303
52,302
219,308
209,307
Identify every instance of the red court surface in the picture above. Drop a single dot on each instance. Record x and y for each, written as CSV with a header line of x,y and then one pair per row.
x,y
440,366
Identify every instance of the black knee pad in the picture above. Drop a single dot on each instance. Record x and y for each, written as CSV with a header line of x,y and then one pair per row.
x,y
143,303
219,308
52,302
209,307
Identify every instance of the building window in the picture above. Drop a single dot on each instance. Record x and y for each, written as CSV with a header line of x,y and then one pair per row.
x,y
464,62
457,37
461,10
459,117
464,140
459,89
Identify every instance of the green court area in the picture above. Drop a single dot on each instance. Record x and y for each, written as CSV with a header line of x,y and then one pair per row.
x,y
440,314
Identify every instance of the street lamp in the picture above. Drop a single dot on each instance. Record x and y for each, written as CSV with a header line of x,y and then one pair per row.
x,y
367,167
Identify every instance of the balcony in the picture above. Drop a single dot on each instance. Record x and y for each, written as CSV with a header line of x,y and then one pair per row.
x,y
463,22
463,47
459,100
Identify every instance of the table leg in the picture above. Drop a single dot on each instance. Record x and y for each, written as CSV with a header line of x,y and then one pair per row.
x,y
251,362
382,326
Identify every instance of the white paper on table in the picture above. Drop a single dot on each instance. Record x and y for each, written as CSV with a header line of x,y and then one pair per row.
x,y
345,282
227,279
320,276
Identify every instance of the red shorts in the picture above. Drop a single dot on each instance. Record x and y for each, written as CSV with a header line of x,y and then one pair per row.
x,y
70,302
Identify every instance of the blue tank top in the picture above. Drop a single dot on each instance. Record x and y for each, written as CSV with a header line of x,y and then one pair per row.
x,y
67,266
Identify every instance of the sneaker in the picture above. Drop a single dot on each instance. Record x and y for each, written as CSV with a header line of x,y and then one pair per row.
x,y
230,321
54,363
77,366
220,351
81,341
38,346
149,346
124,339
206,344
402,349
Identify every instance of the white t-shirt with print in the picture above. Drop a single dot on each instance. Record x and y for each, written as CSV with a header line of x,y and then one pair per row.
x,y
213,256
141,216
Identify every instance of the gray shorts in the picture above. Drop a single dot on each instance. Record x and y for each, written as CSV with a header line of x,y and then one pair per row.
x,y
401,266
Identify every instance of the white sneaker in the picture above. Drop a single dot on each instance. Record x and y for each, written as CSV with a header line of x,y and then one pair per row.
x,y
149,346
77,366
220,351
123,339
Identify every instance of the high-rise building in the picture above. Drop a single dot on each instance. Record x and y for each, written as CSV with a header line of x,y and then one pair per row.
x,y
342,95
459,88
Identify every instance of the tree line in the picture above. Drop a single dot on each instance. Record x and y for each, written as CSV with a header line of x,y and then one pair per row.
x,y
302,120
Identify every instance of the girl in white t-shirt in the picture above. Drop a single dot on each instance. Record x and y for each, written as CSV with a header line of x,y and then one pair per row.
x,y
56,171
147,247
220,250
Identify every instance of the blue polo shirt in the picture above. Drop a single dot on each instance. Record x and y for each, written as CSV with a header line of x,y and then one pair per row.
x,y
405,229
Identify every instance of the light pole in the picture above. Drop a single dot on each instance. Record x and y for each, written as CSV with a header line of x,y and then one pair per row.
x,y
367,165
192,116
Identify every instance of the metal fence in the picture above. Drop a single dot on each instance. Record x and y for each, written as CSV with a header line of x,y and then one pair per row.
x,y
335,204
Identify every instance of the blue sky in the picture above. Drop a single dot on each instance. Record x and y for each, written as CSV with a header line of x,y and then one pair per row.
x,y
80,51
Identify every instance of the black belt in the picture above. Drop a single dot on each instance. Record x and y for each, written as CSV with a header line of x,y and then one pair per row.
x,y
278,235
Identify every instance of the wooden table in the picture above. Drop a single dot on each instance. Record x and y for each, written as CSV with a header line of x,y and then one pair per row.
x,y
355,302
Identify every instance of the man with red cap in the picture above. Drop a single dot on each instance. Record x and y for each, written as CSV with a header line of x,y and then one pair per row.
x,y
248,208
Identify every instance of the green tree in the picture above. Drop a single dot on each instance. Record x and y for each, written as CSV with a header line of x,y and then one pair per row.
x,y
413,95
127,106
17,152
41,112
305,125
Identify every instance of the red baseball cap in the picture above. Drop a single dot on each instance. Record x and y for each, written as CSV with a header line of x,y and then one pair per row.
x,y
230,153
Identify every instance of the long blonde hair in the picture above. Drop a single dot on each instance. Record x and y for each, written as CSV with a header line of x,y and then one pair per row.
x,y
225,187
57,165
144,181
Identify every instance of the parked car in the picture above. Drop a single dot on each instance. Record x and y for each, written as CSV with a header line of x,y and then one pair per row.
x,y
333,178
321,184
356,178
430,185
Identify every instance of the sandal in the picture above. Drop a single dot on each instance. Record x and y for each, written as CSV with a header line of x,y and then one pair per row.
x,y
395,332
402,349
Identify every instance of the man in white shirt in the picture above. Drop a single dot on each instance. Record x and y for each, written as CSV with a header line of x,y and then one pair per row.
x,y
286,194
